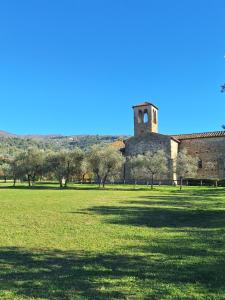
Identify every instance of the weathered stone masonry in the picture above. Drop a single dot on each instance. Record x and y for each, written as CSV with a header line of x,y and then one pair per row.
x,y
208,147
208,150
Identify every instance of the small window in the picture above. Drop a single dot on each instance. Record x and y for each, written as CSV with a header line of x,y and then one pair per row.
x,y
200,164
145,116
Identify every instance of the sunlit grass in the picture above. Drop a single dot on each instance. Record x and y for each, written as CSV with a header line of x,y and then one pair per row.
x,y
117,243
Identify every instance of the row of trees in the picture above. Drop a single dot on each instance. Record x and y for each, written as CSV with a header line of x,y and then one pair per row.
x,y
104,163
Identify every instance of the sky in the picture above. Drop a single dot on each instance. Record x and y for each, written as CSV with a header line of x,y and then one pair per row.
x,y
78,66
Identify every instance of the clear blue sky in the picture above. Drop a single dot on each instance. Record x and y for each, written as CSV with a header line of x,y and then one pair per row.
x,y
77,66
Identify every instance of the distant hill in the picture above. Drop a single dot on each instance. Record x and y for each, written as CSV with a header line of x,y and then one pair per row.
x,y
59,136
28,136
6,134
11,143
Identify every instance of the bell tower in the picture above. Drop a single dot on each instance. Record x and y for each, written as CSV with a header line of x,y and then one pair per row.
x,y
145,118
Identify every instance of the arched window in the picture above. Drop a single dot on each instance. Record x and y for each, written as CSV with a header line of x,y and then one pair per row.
x,y
140,116
145,118
154,116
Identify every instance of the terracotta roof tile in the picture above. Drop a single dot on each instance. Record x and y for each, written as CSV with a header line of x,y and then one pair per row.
x,y
199,135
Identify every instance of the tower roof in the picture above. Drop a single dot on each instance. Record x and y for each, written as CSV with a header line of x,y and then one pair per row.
x,y
145,104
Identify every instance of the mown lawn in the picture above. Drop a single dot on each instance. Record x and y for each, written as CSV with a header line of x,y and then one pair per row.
x,y
85,243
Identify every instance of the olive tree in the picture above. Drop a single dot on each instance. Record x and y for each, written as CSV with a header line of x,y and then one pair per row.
x,y
136,164
187,166
210,168
5,170
73,162
15,169
85,169
55,165
64,164
155,164
29,164
105,162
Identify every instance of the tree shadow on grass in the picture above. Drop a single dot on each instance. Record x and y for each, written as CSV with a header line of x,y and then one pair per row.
x,y
162,200
200,192
57,275
48,187
23,187
160,217
185,201
85,187
75,188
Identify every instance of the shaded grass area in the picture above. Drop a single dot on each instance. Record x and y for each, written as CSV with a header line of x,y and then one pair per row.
x,y
112,244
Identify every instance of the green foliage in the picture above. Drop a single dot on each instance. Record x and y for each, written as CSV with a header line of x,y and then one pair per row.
x,y
136,164
10,146
27,164
105,162
64,164
187,165
86,243
30,159
149,165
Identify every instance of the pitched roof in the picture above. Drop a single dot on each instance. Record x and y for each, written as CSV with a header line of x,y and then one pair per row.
x,y
144,104
199,135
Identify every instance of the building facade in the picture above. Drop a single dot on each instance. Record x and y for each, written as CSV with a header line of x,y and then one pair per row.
x,y
208,147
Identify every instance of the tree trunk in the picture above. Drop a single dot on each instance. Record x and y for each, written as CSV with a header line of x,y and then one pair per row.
x,y
104,180
99,181
5,179
14,181
66,182
33,178
152,181
67,175
181,183
83,176
29,180
60,183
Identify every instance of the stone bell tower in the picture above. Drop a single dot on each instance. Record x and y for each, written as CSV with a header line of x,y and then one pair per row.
x,y
145,118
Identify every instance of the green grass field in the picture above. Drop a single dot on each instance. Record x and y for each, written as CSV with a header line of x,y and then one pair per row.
x,y
85,243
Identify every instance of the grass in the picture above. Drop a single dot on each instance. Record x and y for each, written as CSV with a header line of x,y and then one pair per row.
x,y
85,243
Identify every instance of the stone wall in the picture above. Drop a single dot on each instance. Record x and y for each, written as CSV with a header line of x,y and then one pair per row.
x,y
150,142
207,150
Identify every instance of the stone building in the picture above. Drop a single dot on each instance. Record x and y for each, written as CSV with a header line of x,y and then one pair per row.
x,y
207,147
